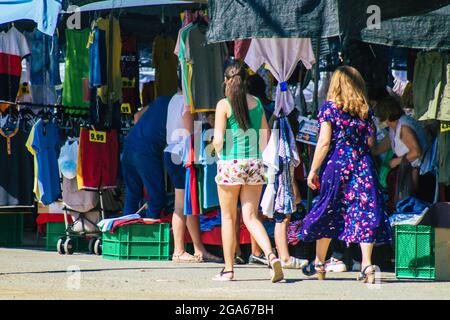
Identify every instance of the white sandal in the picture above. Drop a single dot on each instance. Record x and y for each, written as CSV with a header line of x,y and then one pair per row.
x,y
276,270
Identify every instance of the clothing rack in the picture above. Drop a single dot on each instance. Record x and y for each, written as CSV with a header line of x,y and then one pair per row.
x,y
45,106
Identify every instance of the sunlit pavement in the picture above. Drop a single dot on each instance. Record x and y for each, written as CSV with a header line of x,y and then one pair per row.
x,y
34,274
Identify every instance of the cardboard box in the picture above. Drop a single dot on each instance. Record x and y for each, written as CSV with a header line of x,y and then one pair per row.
x,y
442,253
56,207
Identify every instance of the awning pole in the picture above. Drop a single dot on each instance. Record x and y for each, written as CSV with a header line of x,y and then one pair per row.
x,y
110,89
315,108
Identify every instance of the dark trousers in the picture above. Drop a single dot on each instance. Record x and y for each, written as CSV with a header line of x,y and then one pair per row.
x,y
139,171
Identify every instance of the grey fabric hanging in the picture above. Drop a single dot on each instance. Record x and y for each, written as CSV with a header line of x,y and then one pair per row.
x,y
416,24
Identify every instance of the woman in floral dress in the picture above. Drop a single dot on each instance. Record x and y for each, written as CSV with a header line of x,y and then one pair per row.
x,y
350,206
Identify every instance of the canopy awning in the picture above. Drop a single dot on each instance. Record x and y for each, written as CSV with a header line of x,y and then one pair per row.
x,y
43,12
243,19
112,4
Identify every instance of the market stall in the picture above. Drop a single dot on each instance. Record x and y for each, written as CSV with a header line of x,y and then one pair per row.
x,y
72,85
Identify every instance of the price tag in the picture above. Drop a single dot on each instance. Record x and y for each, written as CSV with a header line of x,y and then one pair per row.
x,y
125,108
128,83
445,126
91,39
24,89
97,136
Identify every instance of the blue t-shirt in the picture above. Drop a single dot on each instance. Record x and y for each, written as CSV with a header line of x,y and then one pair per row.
x,y
148,136
209,161
46,143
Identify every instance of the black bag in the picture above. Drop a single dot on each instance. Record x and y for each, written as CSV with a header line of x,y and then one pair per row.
x,y
405,185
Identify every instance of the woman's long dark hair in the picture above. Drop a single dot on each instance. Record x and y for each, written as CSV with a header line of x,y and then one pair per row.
x,y
236,92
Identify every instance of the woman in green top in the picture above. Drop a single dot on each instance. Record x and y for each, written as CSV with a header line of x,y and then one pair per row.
x,y
240,134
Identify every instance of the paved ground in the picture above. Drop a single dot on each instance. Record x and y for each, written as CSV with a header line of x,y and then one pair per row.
x,y
34,274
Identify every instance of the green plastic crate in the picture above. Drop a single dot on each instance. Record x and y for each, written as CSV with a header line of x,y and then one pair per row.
x,y
138,242
11,230
55,230
415,252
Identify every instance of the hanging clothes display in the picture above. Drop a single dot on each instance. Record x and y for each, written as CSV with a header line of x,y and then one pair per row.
x,y
44,13
206,63
46,143
200,194
241,48
24,94
289,159
281,158
109,51
165,63
97,58
431,86
80,201
116,77
44,67
44,59
98,159
185,69
13,48
129,67
191,196
29,146
281,56
75,86
16,176
208,159
444,157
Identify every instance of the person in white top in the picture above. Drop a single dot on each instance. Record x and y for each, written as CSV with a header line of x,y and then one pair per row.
x,y
180,125
406,138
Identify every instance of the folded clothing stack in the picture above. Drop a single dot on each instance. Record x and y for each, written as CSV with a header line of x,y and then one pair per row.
x,y
409,211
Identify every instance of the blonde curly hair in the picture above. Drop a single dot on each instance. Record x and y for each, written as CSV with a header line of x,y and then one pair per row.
x,y
348,91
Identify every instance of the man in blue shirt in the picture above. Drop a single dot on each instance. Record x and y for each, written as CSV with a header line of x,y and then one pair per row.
x,y
142,160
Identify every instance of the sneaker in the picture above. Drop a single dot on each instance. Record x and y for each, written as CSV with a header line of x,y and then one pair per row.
x,y
295,263
356,266
335,265
261,259
239,260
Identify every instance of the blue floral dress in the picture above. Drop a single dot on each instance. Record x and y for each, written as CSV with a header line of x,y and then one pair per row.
x,y
350,206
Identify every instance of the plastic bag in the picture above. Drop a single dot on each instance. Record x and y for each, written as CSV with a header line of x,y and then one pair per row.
x,y
68,159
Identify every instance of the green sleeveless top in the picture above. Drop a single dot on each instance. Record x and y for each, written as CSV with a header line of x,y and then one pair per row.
x,y
239,144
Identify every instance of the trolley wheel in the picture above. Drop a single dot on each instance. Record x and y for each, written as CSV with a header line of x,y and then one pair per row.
x,y
60,245
98,247
68,246
92,245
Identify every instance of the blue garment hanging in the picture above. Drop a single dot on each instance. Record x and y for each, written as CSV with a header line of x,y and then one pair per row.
x,y
43,12
208,160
